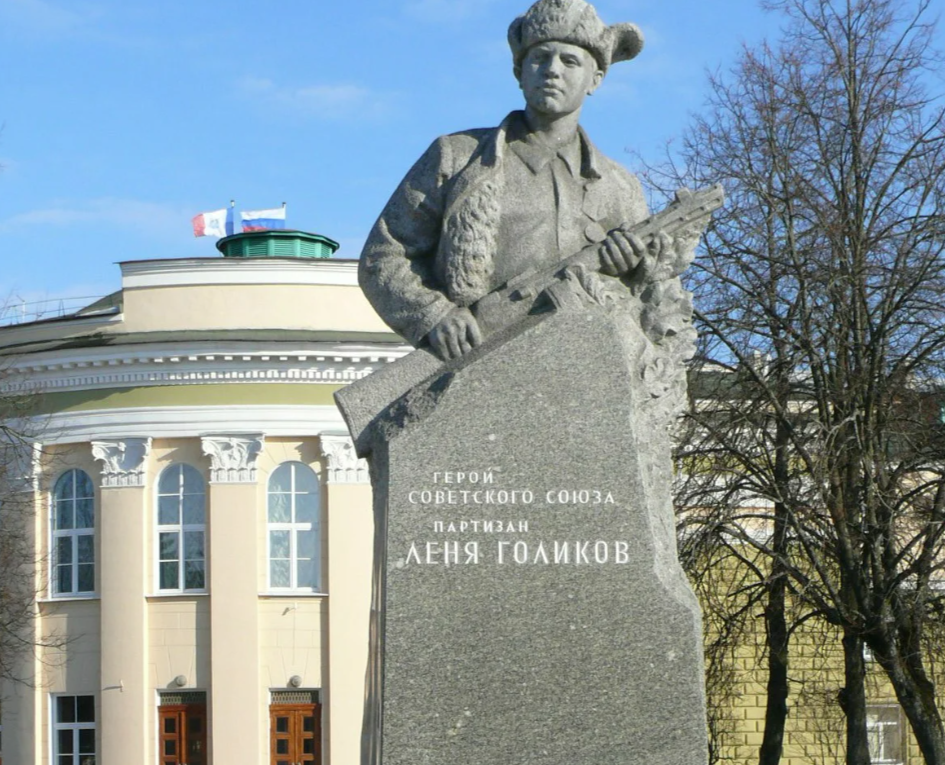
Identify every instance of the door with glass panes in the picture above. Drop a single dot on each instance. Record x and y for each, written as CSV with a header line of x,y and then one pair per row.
x,y
295,734
183,734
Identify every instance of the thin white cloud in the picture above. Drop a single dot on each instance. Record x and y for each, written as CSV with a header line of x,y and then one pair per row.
x,y
321,101
151,218
45,17
49,21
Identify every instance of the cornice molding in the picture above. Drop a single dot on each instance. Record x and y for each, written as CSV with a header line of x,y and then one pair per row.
x,y
343,463
184,422
123,461
137,366
171,272
233,457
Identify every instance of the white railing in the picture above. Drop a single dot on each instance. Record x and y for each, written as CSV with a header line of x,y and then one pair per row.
x,y
16,311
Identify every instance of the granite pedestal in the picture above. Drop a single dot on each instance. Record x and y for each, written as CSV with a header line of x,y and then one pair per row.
x,y
529,607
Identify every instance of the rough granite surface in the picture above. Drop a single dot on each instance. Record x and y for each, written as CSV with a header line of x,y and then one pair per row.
x,y
485,648
529,607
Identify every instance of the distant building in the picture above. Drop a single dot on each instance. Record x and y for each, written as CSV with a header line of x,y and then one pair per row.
x,y
206,525
205,529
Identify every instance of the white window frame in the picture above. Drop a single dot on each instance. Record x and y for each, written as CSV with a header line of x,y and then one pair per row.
x,y
56,726
73,534
180,529
876,733
294,527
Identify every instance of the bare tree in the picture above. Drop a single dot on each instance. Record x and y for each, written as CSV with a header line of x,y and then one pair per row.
x,y
21,581
820,300
726,589
18,558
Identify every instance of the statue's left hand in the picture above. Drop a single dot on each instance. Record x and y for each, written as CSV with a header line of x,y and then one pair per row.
x,y
622,252
656,258
455,335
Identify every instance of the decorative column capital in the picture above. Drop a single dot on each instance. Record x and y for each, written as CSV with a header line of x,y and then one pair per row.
x,y
343,463
123,461
233,457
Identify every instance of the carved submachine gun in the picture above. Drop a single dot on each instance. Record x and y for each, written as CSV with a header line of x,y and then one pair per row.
x,y
504,310
535,289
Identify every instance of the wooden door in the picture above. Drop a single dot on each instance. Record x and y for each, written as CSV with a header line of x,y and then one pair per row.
x,y
183,734
295,734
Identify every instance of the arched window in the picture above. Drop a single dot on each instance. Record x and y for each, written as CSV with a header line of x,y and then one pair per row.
x,y
294,540
73,534
181,530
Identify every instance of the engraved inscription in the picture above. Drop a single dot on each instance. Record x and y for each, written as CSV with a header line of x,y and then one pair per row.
x,y
453,547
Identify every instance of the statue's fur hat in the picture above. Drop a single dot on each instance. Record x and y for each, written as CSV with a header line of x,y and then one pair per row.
x,y
575,22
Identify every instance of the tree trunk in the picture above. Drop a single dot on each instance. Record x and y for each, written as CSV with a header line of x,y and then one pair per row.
x,y
777,635
775,618
852,699
916,695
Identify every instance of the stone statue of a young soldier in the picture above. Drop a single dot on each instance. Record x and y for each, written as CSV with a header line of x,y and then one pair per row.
x,y
482,206
538,613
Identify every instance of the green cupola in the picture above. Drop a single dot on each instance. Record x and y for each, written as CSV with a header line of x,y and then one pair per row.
x,y
282,243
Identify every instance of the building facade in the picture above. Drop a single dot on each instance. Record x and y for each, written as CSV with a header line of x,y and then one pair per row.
x,y
203,529
203,525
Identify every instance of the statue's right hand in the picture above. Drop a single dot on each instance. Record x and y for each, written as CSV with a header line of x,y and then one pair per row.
x,y
455,335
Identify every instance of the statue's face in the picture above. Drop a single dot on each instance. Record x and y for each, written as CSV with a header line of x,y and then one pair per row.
x,y
556,76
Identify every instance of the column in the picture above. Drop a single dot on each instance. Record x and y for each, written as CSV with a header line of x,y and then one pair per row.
x,y
350,528
126,700
22,704
235,724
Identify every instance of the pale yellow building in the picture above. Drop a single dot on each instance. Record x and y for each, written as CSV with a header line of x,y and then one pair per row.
x,y
204,527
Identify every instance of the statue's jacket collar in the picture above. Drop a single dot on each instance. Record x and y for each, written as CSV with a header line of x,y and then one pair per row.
x,y
470,233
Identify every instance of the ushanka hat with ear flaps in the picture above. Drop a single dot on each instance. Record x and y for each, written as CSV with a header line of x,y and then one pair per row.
x,y
575,22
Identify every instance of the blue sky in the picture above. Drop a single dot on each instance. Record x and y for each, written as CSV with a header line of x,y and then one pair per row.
x,y
121,120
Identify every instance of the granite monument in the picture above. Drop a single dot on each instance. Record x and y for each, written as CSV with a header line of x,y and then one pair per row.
x,y
528,606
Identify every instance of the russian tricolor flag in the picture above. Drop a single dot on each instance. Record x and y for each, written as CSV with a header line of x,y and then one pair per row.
x,y
218,223
263,220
